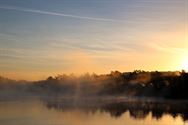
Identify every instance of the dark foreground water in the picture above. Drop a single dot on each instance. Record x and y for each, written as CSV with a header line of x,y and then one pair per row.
x,y
95,111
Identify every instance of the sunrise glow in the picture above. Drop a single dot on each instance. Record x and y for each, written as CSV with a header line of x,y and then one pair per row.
x,y
42,38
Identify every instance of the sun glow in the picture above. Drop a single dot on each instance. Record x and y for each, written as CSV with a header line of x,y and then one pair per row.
x,y
184,64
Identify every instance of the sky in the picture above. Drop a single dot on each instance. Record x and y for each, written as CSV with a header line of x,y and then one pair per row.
x,y
39,38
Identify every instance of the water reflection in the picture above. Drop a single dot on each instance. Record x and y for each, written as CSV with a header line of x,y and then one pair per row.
x,y
138,109
95,111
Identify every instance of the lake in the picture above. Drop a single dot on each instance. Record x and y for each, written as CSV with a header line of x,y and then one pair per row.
x,y
92,111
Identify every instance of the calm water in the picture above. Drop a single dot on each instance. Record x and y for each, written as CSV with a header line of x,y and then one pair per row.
x,y
96,112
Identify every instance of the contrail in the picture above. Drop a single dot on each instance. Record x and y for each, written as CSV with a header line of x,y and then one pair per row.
x,y
58,14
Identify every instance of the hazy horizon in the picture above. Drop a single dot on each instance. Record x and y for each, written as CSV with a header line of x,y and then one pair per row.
x,y
40,38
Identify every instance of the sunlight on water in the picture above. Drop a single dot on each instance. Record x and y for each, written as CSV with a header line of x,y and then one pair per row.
x,y
36,113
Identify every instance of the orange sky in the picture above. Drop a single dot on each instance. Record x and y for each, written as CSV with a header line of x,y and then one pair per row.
x,y
38,40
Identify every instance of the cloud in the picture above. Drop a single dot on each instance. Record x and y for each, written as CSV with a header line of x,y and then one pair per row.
x,y
59,14
93,46
168,49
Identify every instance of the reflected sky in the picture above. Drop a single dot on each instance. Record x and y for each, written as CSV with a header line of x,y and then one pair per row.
x,y
36,113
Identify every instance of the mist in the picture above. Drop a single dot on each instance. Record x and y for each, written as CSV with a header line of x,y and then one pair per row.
x,y
127,84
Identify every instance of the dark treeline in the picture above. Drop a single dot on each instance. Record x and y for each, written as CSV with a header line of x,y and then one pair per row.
x,y
172,85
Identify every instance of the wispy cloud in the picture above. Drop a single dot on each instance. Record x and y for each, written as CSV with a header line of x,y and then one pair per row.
x,y
95,45
58,14
168,49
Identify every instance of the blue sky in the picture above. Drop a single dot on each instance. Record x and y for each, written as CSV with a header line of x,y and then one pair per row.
x,y
47,37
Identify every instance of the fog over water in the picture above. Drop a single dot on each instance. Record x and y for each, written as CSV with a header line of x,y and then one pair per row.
x,y
139,97
93,62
